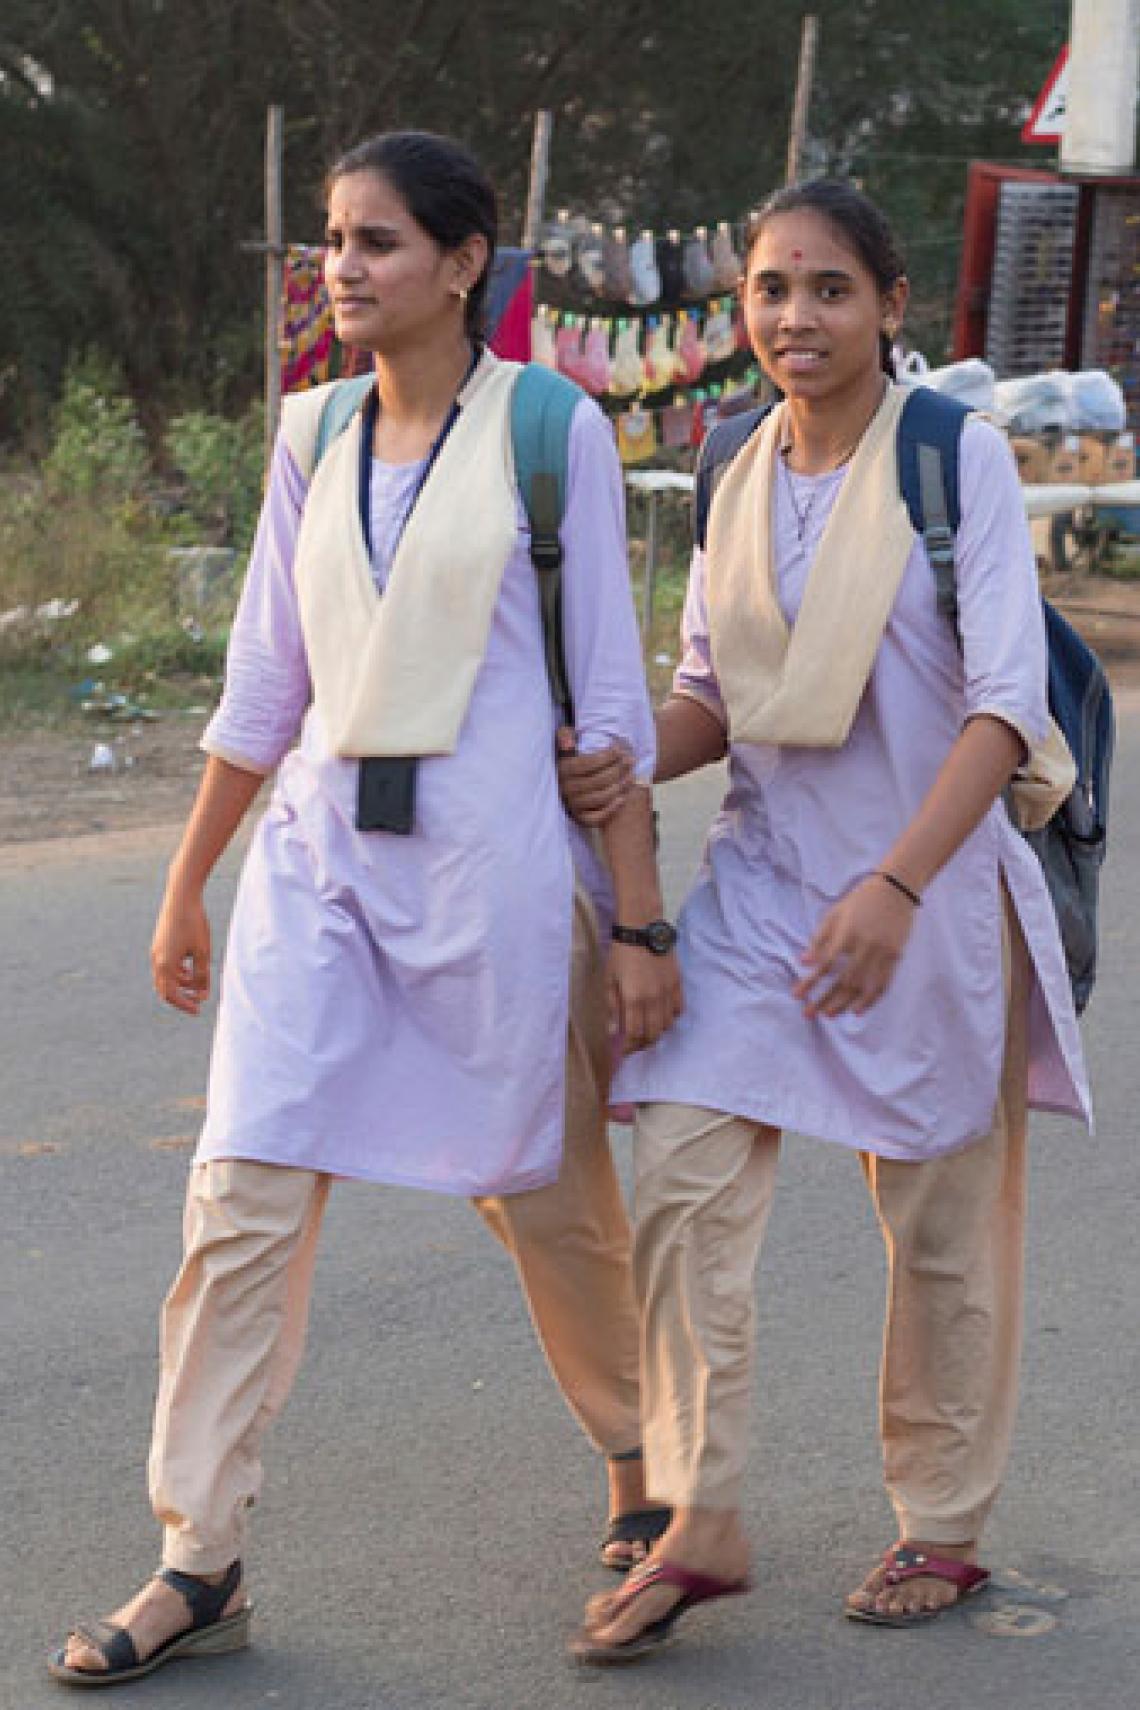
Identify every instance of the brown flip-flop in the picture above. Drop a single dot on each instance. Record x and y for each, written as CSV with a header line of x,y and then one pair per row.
x,y
696,1588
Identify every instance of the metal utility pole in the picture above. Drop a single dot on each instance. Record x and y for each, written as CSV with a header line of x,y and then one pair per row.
x,y
809,36
1100,110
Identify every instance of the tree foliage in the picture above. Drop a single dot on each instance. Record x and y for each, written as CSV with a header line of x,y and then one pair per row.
x,y
132,136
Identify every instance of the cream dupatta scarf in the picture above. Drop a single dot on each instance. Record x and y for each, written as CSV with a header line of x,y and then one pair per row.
x,y
802,685
392,674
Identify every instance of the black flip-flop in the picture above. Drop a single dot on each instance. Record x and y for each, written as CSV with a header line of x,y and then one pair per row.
x,y
635,1526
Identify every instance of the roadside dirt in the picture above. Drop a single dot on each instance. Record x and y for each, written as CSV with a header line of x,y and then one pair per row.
x,y
49,791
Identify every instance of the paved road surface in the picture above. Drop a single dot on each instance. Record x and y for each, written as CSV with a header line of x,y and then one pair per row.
x,y
427,1533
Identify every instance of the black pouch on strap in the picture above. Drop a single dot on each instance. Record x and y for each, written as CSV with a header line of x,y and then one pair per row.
x,y
386,795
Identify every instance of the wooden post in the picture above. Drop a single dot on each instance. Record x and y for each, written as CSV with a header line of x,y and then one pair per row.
x,y
274,272
539,172
652,499
809,36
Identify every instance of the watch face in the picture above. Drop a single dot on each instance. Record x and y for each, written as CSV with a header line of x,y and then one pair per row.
x,y
660,937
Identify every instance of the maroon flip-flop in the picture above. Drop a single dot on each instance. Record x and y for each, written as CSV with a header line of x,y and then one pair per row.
x,y
903,1563
694,1587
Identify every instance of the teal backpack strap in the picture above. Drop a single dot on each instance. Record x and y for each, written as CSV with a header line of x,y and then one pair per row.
x,y
342,403
542,406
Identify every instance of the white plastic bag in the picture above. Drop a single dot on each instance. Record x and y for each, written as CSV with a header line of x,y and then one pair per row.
x,y
1097,402
970,381
1034,403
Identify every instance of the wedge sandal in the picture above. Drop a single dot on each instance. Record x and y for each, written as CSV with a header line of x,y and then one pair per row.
x,y
209,1634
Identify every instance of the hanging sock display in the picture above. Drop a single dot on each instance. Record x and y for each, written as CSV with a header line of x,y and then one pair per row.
x,y
568,349
583,263
726,263
556,247
660,364
670,268
696,265
596,365
617,275
643,266
627,374
590,261
636,435
691,350
542,337
720,340
676,426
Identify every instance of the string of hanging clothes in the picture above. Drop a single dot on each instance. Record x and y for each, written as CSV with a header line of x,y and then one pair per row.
x,y
648,325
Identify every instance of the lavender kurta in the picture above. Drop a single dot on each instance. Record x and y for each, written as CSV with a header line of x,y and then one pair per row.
x,y
918,1074
395,1008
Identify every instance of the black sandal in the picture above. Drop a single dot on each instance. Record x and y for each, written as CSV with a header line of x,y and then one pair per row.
x,y
207,1635
638,1526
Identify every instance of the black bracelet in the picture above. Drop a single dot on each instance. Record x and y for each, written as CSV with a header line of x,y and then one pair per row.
x,y
911,896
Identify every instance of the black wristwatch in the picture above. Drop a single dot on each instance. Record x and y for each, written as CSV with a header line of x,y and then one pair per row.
x,y
658,937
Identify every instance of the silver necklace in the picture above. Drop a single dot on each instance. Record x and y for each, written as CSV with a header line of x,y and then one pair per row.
x,y
802,513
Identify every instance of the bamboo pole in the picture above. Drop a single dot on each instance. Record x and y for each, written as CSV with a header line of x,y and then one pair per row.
x,y
809,36
539,172
274,271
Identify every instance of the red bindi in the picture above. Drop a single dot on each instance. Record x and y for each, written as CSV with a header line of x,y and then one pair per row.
x,y
797,255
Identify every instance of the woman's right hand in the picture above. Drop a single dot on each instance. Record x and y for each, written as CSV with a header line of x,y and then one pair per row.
x,y
180,952
592,786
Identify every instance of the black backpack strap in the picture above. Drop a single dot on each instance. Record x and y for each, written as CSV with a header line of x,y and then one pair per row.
x,y
718,448
545,510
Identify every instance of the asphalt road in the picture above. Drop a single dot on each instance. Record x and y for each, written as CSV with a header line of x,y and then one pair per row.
x,y
427,1534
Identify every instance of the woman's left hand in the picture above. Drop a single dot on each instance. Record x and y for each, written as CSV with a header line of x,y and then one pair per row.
x,y
644,993
852,958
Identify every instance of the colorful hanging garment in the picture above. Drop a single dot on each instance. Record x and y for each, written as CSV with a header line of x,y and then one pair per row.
x,y
309,349
510,304
306,338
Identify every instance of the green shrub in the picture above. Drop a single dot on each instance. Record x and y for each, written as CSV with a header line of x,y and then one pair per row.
x,y
221,463
84,529
98,449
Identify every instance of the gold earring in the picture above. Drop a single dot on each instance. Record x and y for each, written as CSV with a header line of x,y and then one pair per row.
x,y
463,293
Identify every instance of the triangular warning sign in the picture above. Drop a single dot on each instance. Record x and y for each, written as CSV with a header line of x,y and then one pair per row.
x,y
1046,123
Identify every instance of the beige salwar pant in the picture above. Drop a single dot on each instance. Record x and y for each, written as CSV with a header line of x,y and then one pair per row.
x,y
953,1228
233,1325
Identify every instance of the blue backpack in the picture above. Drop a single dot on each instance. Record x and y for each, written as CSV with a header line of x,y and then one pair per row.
x,y
542,404
1071,847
